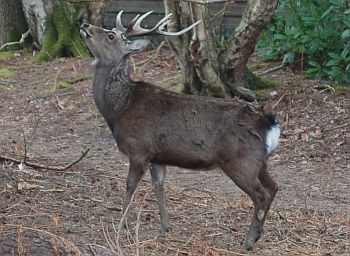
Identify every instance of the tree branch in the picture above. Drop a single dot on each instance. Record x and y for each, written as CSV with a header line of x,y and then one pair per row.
x,y
42,166
21,41
201,50
205,1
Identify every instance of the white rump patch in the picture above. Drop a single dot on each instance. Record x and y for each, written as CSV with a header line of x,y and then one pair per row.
x,y
272,137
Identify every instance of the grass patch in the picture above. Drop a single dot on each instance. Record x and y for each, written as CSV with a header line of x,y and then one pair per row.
x,y
7,55
5,73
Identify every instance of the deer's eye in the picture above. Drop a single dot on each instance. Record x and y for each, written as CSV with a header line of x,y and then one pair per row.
x,y
111,37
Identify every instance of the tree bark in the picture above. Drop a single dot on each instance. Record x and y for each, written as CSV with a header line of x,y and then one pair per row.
x,y
61,36
180,44
12,22
220,70
95,12
36,13
54,25
241,45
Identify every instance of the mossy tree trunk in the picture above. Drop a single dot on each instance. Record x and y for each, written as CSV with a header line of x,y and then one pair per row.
x,y
62,36
220,66
54,25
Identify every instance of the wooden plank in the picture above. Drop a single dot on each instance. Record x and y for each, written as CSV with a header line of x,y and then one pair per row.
x,y
205,1
131,8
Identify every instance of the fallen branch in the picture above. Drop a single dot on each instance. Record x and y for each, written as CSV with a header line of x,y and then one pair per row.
x,y
271,70
33,241
42,166
21,41
279,100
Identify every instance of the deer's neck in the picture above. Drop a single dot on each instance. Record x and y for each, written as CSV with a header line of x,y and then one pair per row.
x,y
111,87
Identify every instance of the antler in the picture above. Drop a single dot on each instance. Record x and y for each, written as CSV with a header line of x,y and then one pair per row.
x,y
135,29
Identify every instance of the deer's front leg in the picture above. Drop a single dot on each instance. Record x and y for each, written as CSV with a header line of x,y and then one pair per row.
x,y
158,179
136,172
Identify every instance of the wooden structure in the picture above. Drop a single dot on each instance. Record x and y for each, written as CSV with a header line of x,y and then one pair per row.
x,y
226,13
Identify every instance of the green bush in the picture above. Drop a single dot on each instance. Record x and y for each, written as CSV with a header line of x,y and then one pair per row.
x,y
314,34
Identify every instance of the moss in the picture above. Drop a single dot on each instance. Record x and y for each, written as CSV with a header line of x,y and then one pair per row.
x,y
64,85
50,40
62,37
173,83
5,73
80,79
341,89
255,82
14,35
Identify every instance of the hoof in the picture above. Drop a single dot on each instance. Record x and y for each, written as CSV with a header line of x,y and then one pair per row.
x,y
167,229
248,246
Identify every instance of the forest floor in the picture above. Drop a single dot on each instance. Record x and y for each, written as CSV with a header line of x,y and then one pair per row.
x,y
47,115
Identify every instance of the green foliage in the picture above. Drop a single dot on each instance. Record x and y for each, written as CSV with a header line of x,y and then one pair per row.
x,y
316,32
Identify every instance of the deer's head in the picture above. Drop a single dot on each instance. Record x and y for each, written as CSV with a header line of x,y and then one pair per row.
x,y
108,45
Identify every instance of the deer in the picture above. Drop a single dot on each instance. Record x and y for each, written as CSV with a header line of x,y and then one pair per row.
x,y
155,127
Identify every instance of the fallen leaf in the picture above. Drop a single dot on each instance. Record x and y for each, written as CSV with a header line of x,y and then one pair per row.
x,y
23,185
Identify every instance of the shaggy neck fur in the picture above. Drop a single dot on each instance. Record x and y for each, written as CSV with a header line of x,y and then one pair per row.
x,y
111,87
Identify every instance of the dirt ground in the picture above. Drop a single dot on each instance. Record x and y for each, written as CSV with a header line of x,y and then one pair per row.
x,y
47,116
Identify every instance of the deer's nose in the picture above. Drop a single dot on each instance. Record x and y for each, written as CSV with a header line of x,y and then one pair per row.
x,y
84,25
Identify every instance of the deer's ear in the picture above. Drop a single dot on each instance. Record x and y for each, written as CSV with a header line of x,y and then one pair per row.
x,y
137,45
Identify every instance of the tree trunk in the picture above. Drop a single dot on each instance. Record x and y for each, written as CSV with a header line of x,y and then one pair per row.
x,y
192,83
12,22
96,11
220,69
36,12
241,45
61,36
54,25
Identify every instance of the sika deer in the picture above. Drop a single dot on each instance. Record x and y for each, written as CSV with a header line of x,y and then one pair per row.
x,y
158,127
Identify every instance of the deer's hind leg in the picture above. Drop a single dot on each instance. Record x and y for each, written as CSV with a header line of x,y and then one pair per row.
x,y
158,179
268,183
246,175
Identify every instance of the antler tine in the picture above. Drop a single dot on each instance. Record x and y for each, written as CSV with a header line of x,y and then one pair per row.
x,y
133,22
118,22
138,22
160,30
135,29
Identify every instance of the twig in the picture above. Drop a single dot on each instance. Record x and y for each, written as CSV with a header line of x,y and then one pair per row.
x,y
152,57
25,146
24,36
74,249
138,221
108,238
279,100
121,223
270,70
336,127
42,166
227,252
